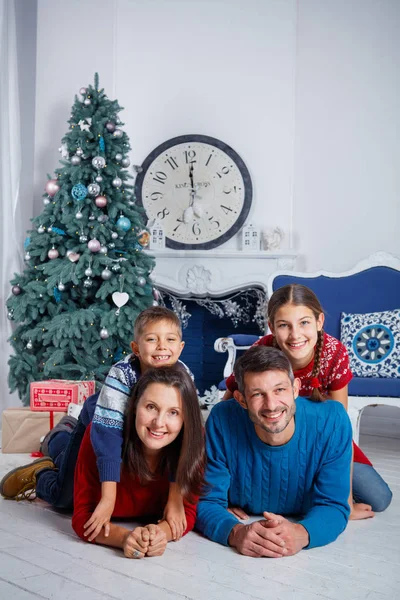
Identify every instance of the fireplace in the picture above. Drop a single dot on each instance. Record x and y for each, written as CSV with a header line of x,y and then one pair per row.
x,y
215,294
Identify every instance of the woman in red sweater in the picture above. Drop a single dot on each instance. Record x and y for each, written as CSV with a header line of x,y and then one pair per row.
x,y
163,440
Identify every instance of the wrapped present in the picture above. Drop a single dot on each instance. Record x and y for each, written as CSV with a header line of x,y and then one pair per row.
x,y
56,394
22,429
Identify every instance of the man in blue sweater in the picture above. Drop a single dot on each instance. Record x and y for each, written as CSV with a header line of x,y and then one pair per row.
x,y
273,453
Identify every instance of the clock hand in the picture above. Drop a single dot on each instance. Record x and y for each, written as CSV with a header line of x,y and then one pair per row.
x,y
192,190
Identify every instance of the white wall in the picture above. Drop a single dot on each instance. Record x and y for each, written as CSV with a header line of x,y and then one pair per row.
x,y
307,92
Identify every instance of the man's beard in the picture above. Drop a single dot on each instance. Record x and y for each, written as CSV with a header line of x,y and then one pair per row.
x,y
284,421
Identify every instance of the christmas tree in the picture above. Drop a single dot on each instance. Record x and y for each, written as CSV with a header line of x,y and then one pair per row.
x,y
86,277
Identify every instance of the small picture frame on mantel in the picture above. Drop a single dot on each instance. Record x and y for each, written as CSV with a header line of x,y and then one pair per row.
x,y
250,238
157,235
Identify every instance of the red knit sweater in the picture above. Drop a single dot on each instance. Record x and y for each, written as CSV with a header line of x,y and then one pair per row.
x,y
133,499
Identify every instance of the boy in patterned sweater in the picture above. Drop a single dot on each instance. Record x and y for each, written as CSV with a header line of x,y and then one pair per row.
x,y
157,342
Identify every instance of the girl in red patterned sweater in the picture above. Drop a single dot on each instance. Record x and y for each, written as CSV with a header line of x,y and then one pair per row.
x,y
321,362
163,441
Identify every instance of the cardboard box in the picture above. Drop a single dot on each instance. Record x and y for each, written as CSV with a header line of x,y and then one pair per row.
x,y
56,394
22,429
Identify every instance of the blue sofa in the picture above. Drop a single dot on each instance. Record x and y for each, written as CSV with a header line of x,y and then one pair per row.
x,y
372,286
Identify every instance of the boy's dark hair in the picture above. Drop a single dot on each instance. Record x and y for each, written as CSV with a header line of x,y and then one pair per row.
x,y
258,359
184,458
300,295
154,314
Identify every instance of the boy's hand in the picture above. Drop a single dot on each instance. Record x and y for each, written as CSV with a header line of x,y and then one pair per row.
x,y
99,519
174,514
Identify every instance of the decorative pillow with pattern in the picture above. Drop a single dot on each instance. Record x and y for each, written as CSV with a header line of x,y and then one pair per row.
x,y
373,343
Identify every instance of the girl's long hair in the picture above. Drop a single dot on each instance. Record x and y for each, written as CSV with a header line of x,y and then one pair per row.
x,y
300,295
184,459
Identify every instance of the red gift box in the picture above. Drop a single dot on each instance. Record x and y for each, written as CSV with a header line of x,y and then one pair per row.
x,y
55,395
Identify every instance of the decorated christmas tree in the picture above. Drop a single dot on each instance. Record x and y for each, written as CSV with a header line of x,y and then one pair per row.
x,y
86,277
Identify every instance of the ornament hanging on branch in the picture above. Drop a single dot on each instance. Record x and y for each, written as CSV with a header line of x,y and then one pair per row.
x,y
79,192
53,253
123,223
104,333
52,187
16,290
99,162
94,245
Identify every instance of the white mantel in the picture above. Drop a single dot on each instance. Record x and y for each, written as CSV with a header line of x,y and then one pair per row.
x,y
201,273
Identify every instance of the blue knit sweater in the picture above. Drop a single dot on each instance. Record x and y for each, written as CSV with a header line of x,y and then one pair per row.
x,y
308,476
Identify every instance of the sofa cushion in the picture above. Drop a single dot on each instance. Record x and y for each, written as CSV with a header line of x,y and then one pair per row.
x,y
243,339
368,386
373,343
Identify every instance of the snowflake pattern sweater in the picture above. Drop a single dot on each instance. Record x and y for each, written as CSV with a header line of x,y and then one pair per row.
x,y
307,476
108,419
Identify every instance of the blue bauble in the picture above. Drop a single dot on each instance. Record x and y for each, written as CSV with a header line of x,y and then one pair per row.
x,y
124,224
79,192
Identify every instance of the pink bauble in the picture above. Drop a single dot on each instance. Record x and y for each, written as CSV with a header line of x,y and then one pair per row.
x,y
52,187
101,201
94,245
53,253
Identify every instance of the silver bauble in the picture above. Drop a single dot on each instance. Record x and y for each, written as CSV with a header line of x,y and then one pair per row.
x,y
106,274
75,160
103,250
117,182
92,218
87,283
94,189
41,229
110,126
27,256
10,315
79,152
141,281
114,235
79,215
118,133
98,162
102,218
29,345
87,102
104,333
126,162
16,290
53,253
61,287
111,245
118,156
116,268
83,238
46,201
82,91
99,179
88,272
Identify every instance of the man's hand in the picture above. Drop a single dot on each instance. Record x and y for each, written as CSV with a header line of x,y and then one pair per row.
x,y
157,540
360,511
238,512
136,543
294,535
99,519
257,540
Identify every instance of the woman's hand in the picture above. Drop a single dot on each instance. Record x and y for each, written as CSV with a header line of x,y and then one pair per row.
x,y
99,519
174,514
157,540
136,542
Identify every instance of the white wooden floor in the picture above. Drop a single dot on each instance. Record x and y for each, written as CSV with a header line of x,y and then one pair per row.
x,y
40,557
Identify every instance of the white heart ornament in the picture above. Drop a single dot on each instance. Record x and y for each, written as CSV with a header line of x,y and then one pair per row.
x,y
73,256
120,298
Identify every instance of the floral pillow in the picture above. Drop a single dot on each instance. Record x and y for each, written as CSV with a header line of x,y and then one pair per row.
x,y
373,343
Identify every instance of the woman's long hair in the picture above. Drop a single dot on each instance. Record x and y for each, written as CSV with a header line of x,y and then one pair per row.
x,y
183,459
300,295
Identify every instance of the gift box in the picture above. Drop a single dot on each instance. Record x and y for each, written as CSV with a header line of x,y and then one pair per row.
x,y
22,429
56,394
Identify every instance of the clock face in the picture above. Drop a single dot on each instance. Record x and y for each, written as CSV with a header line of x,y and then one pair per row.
x,y
197,188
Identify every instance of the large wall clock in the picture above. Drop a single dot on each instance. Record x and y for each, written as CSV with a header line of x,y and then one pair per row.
x,y
198,188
